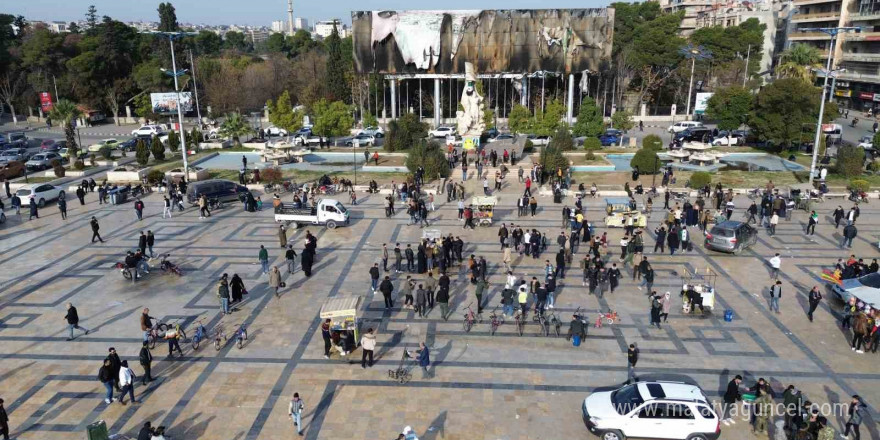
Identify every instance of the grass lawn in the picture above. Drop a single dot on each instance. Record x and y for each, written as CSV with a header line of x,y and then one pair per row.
x,y
389,161
301,176
37,179
581,159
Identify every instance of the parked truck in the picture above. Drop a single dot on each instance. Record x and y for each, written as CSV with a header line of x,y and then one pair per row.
x,y
328,212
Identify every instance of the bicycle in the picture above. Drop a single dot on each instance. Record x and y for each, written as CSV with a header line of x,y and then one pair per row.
x,y
176,327
519,319
240,336
218,335
156,333
553,321
470,318
609,317
539,317
495,321
200,335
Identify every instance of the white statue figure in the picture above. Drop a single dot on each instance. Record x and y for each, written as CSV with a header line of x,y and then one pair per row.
x,y
470,120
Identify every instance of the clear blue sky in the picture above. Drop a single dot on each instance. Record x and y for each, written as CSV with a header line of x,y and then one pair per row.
x,y
257,12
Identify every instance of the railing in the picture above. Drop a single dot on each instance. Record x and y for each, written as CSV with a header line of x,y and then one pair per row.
x,y
862,57
817,16
863,36
808,36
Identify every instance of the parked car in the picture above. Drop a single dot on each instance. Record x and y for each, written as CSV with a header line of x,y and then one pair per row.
x,y
112,143
501,137
42,161
17,140
731,236
148,130
651,409
491,133
377,132
11,169
129,144
49,145
540,140
311,139
683,125
275,131
363,140
611,137
41,192
722,139
865,289
442,132
65,153
19,154
224,190
694,134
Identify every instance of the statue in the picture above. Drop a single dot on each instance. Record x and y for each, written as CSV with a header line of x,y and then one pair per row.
x,y
470,119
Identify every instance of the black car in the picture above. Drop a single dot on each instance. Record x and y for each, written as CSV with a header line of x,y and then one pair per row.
x,y
694,134
731,236
223,190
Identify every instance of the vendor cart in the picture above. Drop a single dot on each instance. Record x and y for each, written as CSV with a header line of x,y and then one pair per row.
x,y
801,196
698,291
344,315
617,210
484,207
432,234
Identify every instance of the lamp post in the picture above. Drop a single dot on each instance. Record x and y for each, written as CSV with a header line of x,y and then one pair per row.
x,y
693,53
832,32
175,73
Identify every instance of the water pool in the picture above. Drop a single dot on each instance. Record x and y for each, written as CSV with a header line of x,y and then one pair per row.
x,y
748,161
325,161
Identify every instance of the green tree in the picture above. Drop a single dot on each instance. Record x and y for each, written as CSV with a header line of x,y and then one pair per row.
x,y
282,115
73,28
518,119
489,118
108,54
370,120
875,142
65,112
646,160
589,122
592,144
781,109
548,120
144,108
798,62
623,121
234,127
7,39
278,43
332,118
235,41
142,153
208,43
405,132
157,148
167,18
652,142
562,139
91,18
850,161
173,141
430,156
552,158
337,85
302,42
730,107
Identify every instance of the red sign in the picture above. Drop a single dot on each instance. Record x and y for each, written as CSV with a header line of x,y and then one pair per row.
x,y
864,95
46,102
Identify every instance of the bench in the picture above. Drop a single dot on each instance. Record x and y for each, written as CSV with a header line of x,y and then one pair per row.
x,y
835,195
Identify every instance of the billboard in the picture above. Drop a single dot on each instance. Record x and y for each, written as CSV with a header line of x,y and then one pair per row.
x,y
166,103
495,41
702,103
46,102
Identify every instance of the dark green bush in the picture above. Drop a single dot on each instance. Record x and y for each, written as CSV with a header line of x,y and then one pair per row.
x,y
652,142
158,149
106,152
552,158
79,165
57,168
647,161
142,153
850,160
155,177
700,179
562,139
429,156
592,144
859,185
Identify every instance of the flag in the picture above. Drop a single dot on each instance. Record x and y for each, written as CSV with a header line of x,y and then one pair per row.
x,y
831,277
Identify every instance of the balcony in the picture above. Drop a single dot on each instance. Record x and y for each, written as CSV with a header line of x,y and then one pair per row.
x,y
813,2
865,16
805,36
863,36
820,16
862,57
859,77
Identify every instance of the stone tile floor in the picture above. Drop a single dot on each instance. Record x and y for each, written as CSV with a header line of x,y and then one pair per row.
x,y
480,386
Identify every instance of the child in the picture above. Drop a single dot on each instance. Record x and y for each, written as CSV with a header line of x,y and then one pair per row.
x,y
259,204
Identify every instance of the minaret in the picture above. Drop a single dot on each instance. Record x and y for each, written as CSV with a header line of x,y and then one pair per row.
x,y
290,17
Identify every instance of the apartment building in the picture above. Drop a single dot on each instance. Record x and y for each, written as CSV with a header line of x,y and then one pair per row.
x,y
692,10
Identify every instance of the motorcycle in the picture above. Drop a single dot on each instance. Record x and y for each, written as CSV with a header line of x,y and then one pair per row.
x,y
854,122
126,272
756,193
168,266
215,203
858,196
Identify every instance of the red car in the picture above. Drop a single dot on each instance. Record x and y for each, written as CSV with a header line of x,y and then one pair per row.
x,y
49,145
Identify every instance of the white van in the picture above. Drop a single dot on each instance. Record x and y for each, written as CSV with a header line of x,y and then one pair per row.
x,y
683,125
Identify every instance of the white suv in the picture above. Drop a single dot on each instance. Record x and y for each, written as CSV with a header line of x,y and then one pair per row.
x,y
668,410
148,130
41,193
683,125
442,132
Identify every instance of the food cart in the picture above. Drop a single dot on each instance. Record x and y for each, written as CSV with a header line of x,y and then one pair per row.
x,y
484,207
432,234
617,210
801,196
344,315
698,291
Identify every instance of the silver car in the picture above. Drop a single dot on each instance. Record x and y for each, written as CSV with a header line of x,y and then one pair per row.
x,y
18,154
42,161
731,236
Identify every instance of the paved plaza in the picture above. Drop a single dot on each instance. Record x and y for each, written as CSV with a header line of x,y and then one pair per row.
x,y
480,386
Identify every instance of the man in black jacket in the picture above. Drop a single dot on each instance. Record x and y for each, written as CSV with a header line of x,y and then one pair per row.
x,y
560,264
73,321
142,243
443,296
374,277
95,227
146,432
146,360
632,358
4,418
386,288
730,397
410,259
115,365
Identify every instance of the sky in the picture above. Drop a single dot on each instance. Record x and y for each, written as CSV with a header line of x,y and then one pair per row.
x,y
256,12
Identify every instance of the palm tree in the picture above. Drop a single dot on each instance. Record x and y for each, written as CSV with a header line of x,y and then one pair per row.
x,y
234,127
65,112
799,61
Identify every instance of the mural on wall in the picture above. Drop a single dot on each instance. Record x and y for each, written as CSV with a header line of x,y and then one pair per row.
x,y
495,41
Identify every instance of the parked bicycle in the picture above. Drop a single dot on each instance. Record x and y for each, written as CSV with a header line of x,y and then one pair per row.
x,y
495,320
607,318
470,318
200,334
542,322
219,335
553,324
519,319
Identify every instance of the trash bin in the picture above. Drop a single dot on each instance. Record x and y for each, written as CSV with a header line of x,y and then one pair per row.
x,y
97,431
117,196
728,315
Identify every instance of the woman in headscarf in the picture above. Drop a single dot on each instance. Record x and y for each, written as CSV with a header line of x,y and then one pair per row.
x,y
422,265
666,301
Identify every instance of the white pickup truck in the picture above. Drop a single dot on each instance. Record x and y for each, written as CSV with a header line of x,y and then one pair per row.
x,y
329,212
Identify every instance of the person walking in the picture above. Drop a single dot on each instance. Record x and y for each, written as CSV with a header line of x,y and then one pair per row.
x,y
398,258
481,288
142,243
385,257
73,321
815,297
424,359
295,410
126,379
81,195
855,416
775,263
263,256
421,301
368,344
774,220
62,207
374,277
632,358
139,208
275,280
146,360
151,240
34,212
731,396
838,215
849,233
811,223
290,258
386,288
763,411
105,376
282,236
95,228
775,294
166,207
860,329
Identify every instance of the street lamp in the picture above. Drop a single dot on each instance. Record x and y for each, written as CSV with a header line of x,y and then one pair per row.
x,y
693,53
175,73
832,32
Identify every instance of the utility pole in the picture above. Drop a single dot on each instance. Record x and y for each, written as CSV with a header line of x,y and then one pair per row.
x,y
746,73
195,87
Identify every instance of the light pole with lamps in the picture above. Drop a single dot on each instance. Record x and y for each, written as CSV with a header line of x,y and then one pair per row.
x,y
832,32
175,73
693,53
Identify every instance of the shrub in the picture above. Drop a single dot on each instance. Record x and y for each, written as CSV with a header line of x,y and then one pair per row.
x,y
859,185
646,160
173,141
155,177
874,165
405,132
195,137
272,175
106,152
592,144
562,139
652,142
158,149
57,168
590,156
79,165
528,147
142,153
700,179
431,157
850,160
92,159
552,158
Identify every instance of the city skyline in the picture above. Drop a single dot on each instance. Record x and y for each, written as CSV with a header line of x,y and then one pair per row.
x,y
258,12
